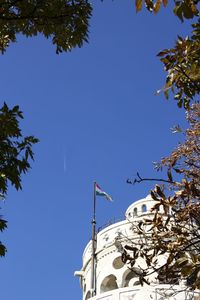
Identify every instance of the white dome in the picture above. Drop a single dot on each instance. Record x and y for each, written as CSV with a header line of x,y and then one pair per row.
x,y
140,207
113,279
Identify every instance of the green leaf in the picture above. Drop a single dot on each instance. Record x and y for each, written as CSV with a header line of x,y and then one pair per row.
x,y
2,250
180,103
3,224
179,12
166,93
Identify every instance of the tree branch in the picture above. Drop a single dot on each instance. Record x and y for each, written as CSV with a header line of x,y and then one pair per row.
x,y
31,17
140,179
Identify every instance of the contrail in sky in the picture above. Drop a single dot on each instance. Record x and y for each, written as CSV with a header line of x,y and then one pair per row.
x,y
64,163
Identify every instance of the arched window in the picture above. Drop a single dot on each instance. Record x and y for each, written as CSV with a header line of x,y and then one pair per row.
x,y
144,208
118,263
88,295
135,211
130,278
109,283
129,215
136,282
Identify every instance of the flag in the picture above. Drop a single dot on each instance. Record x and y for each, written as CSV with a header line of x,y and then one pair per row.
x,y
99,192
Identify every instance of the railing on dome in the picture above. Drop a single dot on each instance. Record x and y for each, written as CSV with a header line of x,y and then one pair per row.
x,y
154,294
110,222
163,293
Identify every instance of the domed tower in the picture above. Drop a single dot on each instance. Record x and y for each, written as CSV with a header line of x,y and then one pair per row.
x,y
113,279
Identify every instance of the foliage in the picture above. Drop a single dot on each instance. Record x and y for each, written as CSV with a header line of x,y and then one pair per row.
x,y
182,64
15,154
182,8
173,232
64,21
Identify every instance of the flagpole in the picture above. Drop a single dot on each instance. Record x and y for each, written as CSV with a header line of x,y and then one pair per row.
x,y
93,257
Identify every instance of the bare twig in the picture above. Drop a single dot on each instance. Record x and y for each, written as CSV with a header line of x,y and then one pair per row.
x,y
139,179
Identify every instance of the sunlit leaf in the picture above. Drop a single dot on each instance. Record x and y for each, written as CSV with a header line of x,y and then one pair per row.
x,y
157,5
138,5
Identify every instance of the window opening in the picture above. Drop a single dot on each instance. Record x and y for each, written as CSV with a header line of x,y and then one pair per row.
x,y
135,211
144,208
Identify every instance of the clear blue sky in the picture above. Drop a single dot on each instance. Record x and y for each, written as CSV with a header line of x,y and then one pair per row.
x,y
97,118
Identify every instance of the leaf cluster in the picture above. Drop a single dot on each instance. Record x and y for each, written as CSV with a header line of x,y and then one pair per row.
x,y
15,150
15,154
173,230
64,21
183,9
182,64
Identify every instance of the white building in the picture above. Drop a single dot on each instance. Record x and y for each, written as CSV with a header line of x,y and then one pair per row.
x,y
114,280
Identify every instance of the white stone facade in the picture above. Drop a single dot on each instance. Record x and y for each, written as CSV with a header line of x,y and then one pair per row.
x,y
114,281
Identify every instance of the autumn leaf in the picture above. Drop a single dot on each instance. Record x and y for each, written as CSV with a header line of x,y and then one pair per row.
x,y
138,5
157,5
165,2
